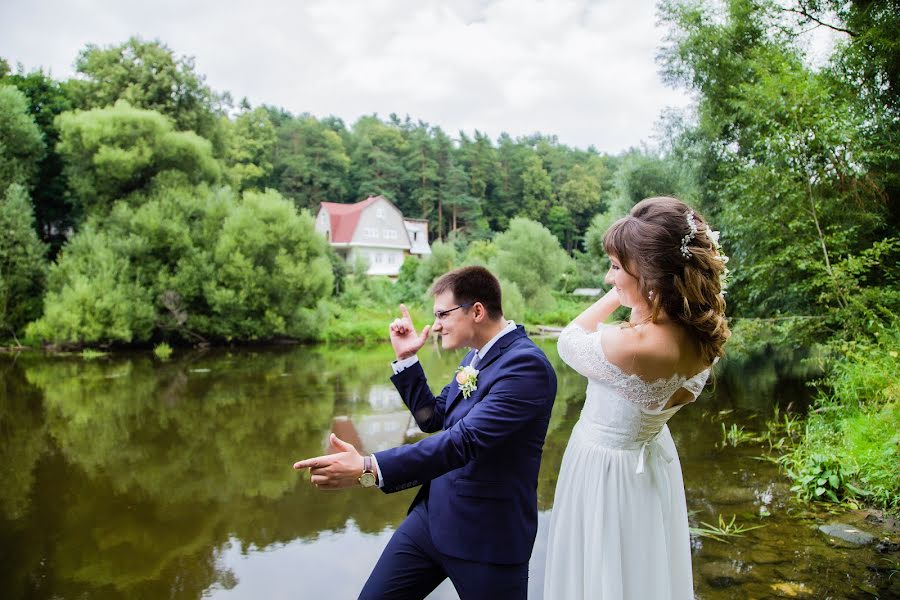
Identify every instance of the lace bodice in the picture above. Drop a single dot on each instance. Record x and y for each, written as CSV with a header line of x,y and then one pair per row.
x,y
621,406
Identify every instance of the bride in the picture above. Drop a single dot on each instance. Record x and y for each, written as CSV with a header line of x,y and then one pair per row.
x,y
619,524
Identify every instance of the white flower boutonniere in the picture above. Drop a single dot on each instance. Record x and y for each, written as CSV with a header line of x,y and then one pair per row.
x,y
467,378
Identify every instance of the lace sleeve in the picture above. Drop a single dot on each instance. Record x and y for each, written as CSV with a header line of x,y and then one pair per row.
x,y
583,352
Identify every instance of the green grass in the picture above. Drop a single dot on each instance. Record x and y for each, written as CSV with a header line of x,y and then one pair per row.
x,y
850,449
566,309
367,324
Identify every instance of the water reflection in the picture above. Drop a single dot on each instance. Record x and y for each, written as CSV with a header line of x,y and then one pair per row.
x,y
125,477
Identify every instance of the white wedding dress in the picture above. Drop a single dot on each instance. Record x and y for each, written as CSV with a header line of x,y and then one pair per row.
x,y
619,528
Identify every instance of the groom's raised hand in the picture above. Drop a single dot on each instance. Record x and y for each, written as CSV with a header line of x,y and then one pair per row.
x,y
404,339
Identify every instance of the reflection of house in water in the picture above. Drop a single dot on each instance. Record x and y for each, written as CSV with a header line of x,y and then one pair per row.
x,y
389,423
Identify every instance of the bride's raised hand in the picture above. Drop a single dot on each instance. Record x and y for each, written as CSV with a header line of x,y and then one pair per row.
x,y
404,338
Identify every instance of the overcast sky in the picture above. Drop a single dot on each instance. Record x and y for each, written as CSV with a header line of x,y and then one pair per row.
x,y
582,70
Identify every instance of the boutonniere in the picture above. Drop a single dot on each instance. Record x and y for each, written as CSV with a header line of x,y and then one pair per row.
x,y
467,378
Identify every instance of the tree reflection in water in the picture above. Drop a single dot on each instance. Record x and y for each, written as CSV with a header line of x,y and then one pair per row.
x,y
125,477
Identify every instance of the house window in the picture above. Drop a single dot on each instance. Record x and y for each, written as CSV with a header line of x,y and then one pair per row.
x,y
379,212
390,234
415,235
371,232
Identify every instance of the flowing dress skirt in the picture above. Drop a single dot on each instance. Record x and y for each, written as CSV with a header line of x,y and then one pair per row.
x,y
616,533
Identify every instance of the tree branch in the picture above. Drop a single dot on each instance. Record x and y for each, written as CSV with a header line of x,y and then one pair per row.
x,y
803,13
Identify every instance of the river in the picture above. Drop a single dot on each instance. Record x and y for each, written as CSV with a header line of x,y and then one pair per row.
x,y
125,476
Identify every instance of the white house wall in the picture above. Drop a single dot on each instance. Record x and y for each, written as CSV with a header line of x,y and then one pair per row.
x,y
418,236
323,223
381,260
381,224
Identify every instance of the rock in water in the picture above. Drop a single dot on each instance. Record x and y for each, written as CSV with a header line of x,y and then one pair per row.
x,y
847,533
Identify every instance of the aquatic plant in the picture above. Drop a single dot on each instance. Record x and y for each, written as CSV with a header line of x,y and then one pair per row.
x,y
723,530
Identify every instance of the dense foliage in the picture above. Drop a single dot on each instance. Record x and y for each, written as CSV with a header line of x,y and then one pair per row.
x,y
798,165
194,264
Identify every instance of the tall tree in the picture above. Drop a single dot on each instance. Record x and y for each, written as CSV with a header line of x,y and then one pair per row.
x,y
779,152
251,140
148,75
21,141
22,263
464,208
478,157
537,190
444,156
377,160
867,62
311,163
423,172
511,158
112,152
47,99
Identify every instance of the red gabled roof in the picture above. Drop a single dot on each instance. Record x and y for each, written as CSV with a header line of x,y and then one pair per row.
x,y
344,218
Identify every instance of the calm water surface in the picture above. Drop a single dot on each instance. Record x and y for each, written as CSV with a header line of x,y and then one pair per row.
x,y
126,477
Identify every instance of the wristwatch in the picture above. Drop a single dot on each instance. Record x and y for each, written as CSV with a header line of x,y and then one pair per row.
x,y
367,479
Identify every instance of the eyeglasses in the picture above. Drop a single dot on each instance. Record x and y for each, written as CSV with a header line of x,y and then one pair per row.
x,y
440,314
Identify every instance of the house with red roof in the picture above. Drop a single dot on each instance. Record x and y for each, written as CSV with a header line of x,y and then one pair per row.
x,y
374,230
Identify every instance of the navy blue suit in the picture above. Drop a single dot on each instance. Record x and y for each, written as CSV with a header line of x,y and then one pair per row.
x,y
475,515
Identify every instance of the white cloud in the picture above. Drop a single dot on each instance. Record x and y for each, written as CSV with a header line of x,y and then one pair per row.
x,y
581,70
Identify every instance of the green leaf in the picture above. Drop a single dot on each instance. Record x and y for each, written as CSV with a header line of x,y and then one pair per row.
x,y
856,490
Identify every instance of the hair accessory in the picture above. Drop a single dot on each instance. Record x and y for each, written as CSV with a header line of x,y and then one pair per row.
x,y
725,275
692,224
650,295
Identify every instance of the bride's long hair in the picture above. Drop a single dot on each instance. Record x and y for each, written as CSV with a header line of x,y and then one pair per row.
x,y
654,243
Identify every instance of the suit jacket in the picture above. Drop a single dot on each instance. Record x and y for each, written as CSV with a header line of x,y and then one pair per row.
x,y
479,474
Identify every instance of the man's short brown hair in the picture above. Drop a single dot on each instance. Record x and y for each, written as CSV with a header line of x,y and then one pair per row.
x,y
470,285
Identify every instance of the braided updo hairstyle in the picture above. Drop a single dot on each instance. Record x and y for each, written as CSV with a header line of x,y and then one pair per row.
x,y
648,243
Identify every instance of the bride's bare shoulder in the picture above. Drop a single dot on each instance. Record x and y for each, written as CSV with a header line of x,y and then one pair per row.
x,y
650,351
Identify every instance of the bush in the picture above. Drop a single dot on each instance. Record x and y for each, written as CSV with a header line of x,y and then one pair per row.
x,y
531,257
192,263
93,297
443,258
850,448
513,302
563,311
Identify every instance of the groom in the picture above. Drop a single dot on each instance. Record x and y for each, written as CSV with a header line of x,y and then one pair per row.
x,y
474,519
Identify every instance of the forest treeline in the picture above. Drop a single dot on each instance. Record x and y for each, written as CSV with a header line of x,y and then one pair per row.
x,y
140,205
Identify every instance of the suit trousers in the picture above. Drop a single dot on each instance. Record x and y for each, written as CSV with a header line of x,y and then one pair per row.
x,y
411,567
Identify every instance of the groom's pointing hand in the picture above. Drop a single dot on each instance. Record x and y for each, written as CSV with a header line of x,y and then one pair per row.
x,y
333,471
404,339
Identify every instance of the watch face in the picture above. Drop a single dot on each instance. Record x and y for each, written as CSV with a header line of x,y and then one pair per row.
x,y
367,479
